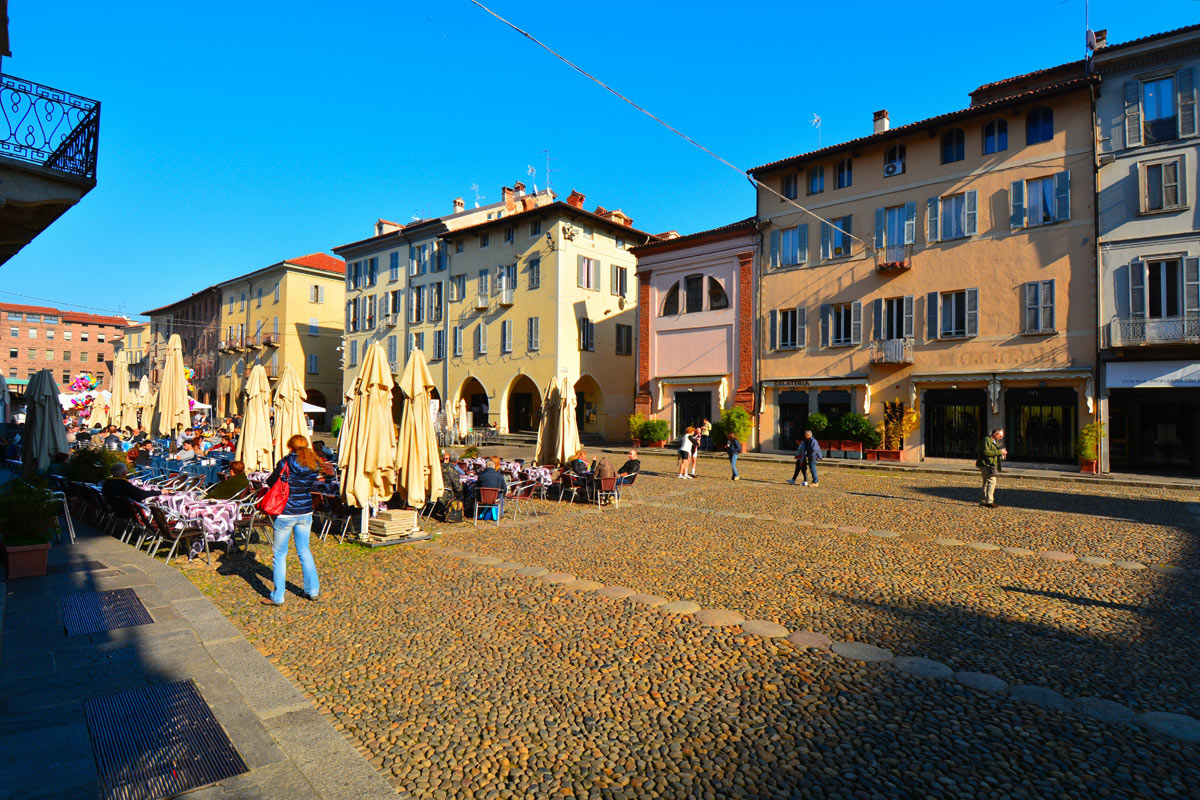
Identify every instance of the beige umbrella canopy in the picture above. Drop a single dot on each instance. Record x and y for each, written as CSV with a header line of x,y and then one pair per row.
x,y
418,471
367,456
254,445
144,402
121,404
235,387
98,413
289,412
464,422
567,428
172,412
547,425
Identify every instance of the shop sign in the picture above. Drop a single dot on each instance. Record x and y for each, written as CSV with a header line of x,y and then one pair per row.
x,y
1153,375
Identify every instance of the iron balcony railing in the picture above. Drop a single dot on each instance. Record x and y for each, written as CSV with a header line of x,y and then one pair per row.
x,y
1125,332
48,127
892,351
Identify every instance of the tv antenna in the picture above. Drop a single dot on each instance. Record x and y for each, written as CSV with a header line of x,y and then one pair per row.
x,y
478,196
548,168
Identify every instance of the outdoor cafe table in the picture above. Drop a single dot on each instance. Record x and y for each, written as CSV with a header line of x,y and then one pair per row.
x,y
218,518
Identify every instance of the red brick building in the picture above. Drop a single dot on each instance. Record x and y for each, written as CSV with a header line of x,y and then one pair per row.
x,y
65,342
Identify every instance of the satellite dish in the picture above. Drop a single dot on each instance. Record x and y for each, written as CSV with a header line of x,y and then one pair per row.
x,y
1090,39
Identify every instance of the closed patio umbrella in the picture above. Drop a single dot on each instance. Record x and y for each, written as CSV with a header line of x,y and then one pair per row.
x,y
235,387
6,412
367,453
547,425
254,445
98,413
145,402
121,403
289,411
567,429
464,422
172,412
418,470
45,433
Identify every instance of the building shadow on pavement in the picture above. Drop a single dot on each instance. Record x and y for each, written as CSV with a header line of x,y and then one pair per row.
x,y
1068,501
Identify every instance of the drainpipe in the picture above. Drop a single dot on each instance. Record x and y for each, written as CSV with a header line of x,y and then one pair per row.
x,y
1101,398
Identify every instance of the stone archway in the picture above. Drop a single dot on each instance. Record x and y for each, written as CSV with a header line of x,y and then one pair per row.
x,y
477,401
523,405
315,397
589,405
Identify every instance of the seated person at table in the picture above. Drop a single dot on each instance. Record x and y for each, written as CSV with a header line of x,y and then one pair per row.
x,y
187,453
139,435
451,477
578,463
82,434
631,467
200,444
492,478
236,483
321,450
112,441
604,469
119,486
58,466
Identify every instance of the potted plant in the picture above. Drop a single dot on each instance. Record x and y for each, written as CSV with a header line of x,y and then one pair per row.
x,y
636,421
736,422
655,432
26,516
856,432
92,466
1087,447
898,423
818,423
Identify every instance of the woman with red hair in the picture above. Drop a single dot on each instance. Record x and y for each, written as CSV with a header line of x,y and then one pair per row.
x,y
299,469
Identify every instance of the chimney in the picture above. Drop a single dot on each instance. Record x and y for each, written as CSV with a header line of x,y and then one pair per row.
x,y
1102,38
882,123
509,205
459,205
519,189
575,199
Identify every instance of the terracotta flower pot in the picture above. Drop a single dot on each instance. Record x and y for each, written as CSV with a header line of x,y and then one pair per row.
x,y
656,444
851,446
26,561
1090,467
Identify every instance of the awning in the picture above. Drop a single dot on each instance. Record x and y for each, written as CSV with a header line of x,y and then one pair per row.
x,y
686,380
1152,375
309,408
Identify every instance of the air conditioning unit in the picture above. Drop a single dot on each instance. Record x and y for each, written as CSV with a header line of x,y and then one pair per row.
x,y
481,302
893,168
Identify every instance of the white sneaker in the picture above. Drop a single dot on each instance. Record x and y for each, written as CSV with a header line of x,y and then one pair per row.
x,y
679,476
792,481
804,484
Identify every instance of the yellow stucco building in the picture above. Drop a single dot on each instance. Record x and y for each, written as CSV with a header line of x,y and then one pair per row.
x,y
287,313
957,277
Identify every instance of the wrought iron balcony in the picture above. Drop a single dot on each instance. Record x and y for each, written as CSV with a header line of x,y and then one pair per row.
x,y
236,343
48,127
892,351
389,320
1157,330
893,258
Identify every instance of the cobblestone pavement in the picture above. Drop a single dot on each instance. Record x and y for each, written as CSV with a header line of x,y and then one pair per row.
x,y
464,681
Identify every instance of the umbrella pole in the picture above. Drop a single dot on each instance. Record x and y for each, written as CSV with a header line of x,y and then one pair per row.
x,y
366,511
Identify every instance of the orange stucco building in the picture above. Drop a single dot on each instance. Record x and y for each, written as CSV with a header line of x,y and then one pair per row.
x,y
957,276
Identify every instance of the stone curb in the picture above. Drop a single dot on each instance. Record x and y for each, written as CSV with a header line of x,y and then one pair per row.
x,y
1171,725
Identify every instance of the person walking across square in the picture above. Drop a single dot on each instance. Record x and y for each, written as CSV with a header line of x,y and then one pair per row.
x,y
734,448
807,455
991,452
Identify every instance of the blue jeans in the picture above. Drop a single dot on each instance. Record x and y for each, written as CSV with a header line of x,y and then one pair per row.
x,y
810,466
300,526
733,463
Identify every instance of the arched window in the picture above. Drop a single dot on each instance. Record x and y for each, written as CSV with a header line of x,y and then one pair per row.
x,y
953,145
670,306
845,173
893,161
1039,125
995,136
717,299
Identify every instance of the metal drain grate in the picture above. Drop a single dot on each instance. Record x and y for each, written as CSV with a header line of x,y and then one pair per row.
x,y
158,741
92,612
74,566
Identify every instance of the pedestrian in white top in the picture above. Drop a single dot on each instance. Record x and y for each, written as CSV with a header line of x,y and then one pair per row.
x,y
687,446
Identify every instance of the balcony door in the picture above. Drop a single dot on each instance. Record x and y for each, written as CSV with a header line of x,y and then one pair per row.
x,y
1164,289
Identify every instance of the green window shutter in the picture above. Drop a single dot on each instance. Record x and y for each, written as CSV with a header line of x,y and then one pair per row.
x,y
1133,113
972,312
931,314
880,228
1016,194
1137,289
1187,102
774,247
1062,195
970,206
910,222
932,232
1191,286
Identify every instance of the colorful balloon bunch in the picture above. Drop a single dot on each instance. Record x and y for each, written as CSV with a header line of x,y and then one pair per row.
x,y
188,374
84,382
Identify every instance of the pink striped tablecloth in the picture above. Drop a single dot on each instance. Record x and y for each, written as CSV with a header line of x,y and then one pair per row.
x,y
218,518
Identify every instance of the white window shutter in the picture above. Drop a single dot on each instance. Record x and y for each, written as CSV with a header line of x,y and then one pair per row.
x,y
801,328
971,212
910,222
932,231
773,330
908,316
972,312
1062,195
1187,102
856,322
1191,286
1133,113
1016,194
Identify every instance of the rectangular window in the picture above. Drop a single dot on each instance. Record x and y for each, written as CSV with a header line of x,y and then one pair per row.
x,y
788,329
1160,120
12,352
458,246
416,304
242,302
1161,188
313,326
483,282
49,355
369,302
953,223
418,342
510,234
840,237
435,302
66,355
894,318
506,336
588,273
535,272
439,344
33,317
316,293
535,228
791,186
532,331
793,245
620,280
372,271
33,334
458,337
16,333
275,329
100,337
589,232
693,294
49,334
353,352
484,240
587,334
846,318
391,351
816,180
313,363
83,356
16,316
481,339
624,340
1041,201
960,313
32,355
258,298
276,291
458,288
394,265
1038,307
50,319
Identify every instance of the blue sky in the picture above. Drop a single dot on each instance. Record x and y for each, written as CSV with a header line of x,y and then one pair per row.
x,y
234,135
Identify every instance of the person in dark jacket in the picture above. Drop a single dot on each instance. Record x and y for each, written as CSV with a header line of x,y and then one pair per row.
x,y
733,447
492,478
235,484
119,486
991,452
303,467
630,468
807,456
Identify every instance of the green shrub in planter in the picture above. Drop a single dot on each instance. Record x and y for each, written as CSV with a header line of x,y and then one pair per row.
x,y
92,466
818,423
636,421
1087,446
736,422
471,452
655,430
27,513
858,428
